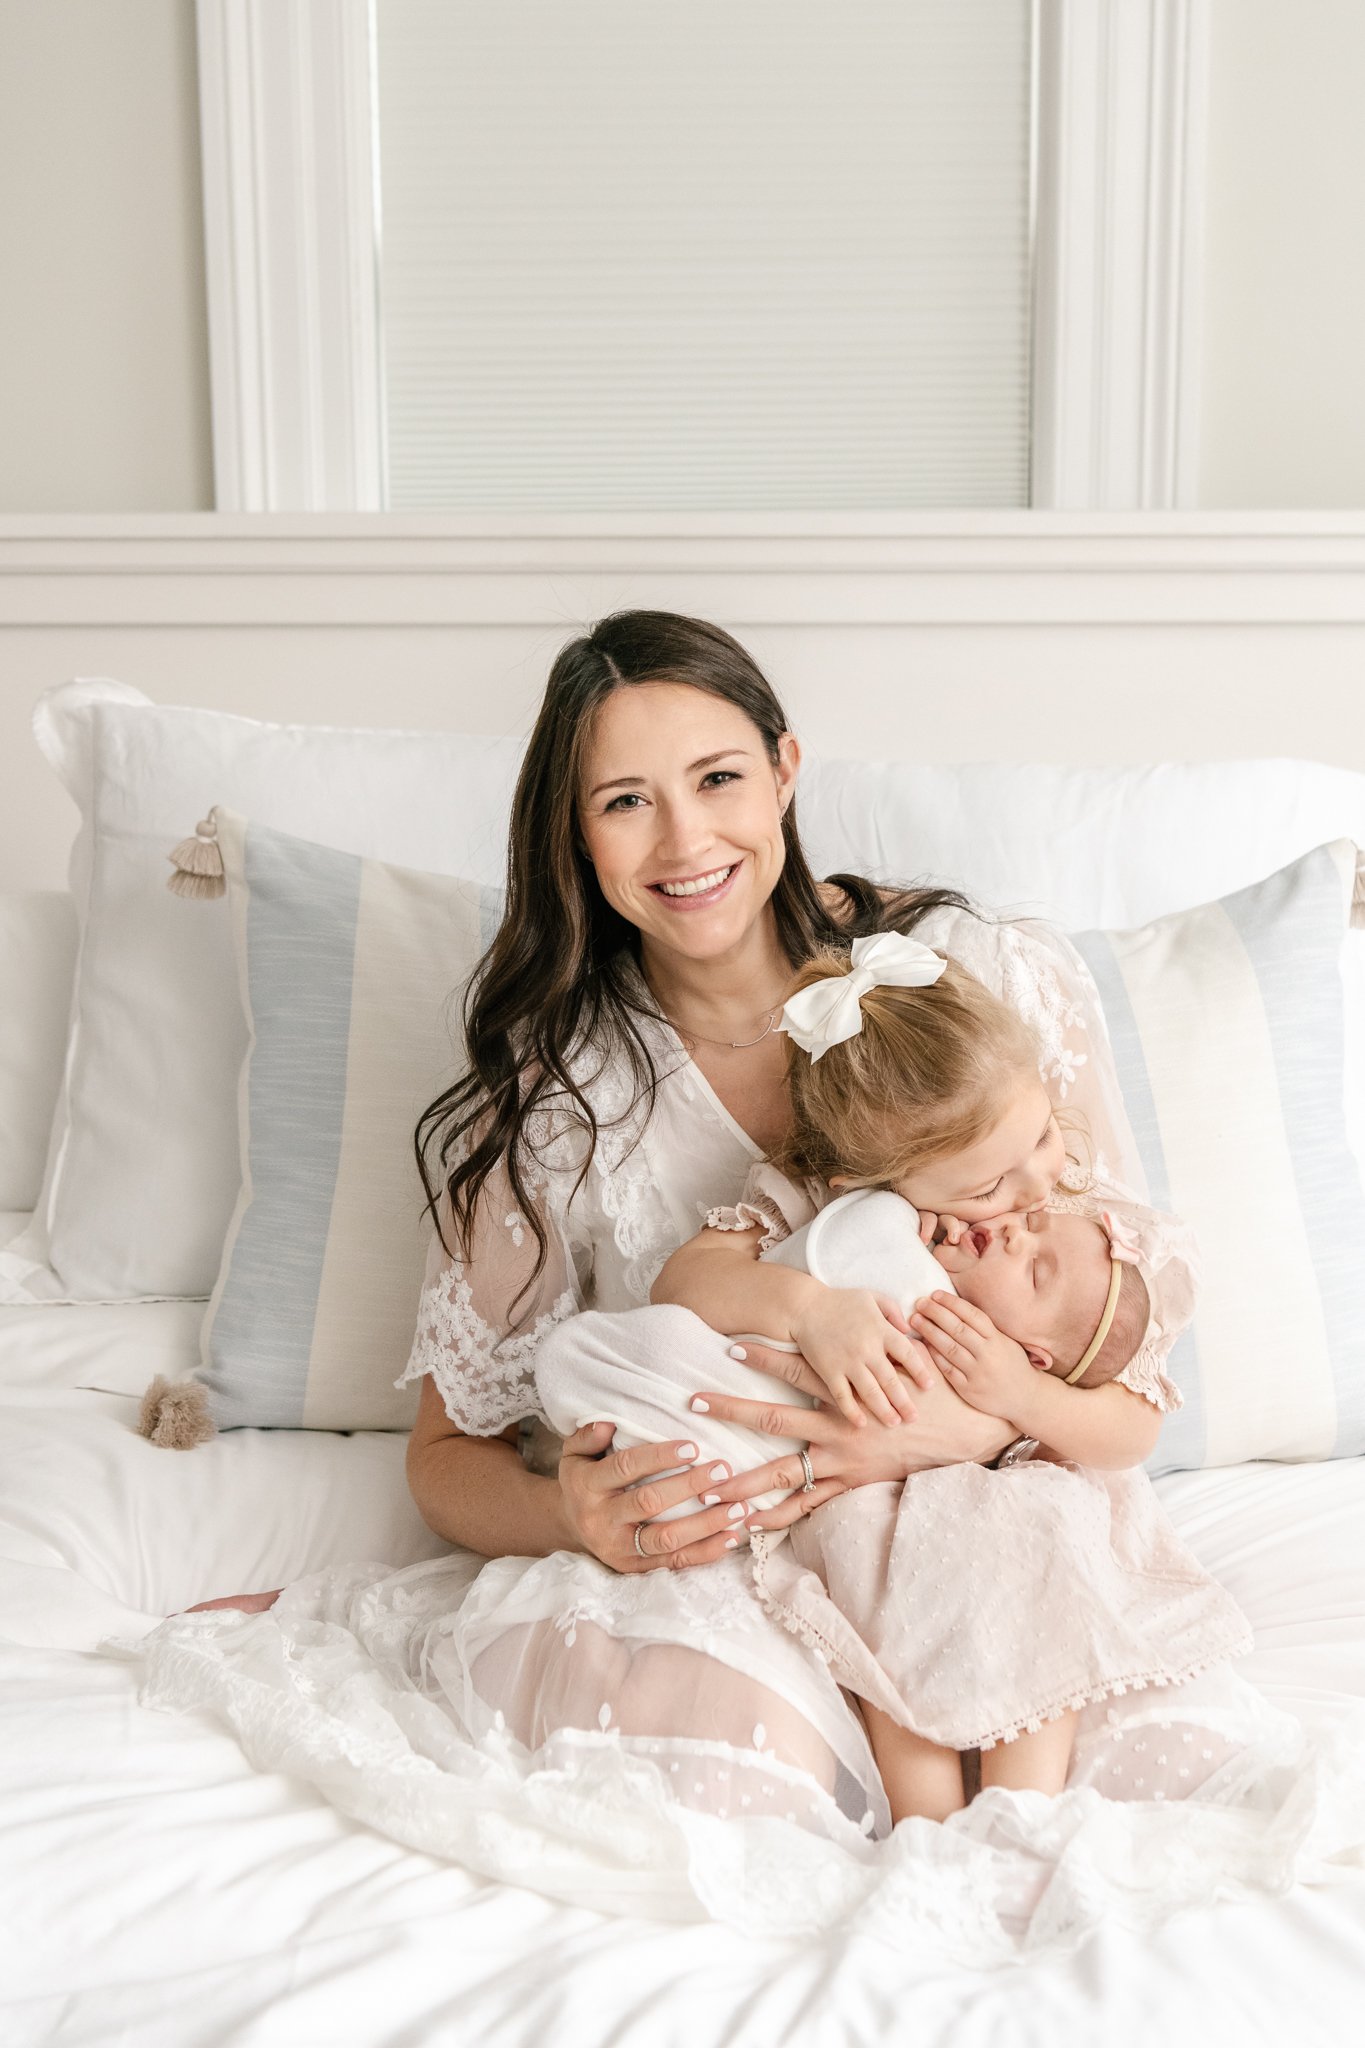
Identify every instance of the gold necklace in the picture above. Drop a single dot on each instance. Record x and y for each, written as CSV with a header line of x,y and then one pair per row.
x,y
734,1044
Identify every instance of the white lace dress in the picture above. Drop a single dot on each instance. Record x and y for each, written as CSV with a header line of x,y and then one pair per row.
x,y
656,1743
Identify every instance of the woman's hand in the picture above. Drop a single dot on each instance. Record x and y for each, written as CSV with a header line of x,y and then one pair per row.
x,y
607,1495
859,1346
945,1431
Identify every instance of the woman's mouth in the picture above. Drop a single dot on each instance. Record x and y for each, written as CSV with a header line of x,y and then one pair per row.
x,y
697,892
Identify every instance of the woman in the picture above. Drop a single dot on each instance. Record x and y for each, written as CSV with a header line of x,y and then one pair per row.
x,y
572,1703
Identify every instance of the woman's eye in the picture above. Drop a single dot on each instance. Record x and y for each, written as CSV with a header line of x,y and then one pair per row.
x,y
718,776
630,799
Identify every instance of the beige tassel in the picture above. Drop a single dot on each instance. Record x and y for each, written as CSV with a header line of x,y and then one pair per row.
x,y
198,862
1358,894
175,1414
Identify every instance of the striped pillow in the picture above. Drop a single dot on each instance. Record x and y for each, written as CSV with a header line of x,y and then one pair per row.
x,y
1227,1027
346,968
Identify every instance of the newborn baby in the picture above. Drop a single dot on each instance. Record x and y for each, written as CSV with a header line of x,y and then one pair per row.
x,y
1043,1280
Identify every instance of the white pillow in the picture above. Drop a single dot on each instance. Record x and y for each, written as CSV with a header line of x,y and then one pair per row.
x,y
143,1168
37,960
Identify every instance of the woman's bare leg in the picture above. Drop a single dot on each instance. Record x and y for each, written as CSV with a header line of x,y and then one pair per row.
x,y
1036,1762
922,1779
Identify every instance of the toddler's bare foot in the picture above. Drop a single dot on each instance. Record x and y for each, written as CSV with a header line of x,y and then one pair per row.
x,y
248,1603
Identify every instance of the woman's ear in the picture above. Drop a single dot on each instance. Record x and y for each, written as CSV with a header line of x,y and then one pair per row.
x,y
787,768
840,1180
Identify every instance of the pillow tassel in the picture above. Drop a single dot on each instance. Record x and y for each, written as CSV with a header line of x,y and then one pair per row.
x,y
198,862
175,1414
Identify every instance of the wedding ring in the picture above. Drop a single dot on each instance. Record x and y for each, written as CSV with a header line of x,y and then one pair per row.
x,y
809,1470
640,1550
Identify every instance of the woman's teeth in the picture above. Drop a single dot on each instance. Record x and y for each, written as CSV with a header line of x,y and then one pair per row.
x,y
700,886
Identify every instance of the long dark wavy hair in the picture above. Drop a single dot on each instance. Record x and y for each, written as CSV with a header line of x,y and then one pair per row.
x,y
556,982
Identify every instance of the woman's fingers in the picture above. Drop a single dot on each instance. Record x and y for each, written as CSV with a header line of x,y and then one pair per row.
x,y
666,1542
651,1497
642,1461
781,1365
770,1418
796,1505
589,1441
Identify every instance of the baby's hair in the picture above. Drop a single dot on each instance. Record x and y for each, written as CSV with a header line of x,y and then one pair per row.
x,y
926,1075
1131,1315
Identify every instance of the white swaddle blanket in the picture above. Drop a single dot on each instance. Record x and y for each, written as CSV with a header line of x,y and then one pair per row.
x,y
639,1369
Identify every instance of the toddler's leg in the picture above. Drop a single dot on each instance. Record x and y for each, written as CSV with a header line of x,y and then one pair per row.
x,y
922,1779
1036,1762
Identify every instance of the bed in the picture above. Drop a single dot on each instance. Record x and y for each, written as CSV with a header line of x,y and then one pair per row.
x,y
154,1888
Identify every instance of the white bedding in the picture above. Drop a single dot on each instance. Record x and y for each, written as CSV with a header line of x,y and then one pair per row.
x,y
154,1889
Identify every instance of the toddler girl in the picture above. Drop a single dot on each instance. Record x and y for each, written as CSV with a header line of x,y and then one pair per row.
x,y
964,1608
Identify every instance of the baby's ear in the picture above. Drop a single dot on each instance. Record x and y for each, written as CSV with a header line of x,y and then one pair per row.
x,y
1038,1358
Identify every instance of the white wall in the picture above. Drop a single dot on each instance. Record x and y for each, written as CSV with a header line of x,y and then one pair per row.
x,y
969,637
104,402
1284,308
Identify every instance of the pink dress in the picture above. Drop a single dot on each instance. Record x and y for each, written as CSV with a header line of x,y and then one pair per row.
x,y
971,1605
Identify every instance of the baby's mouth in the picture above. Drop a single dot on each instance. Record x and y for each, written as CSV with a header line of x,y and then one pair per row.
x,y
978,1237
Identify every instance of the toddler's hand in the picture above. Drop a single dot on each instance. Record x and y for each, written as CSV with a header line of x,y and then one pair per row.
x,y
939,1229
988,1369
858,1345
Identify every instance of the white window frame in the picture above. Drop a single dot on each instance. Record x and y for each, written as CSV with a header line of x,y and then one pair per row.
x,y
291,207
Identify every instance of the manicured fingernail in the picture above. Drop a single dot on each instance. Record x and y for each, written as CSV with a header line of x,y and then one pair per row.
x,y
738,1351
732,1543
686,1451
719,1472
738,1511
710,1500
698,1406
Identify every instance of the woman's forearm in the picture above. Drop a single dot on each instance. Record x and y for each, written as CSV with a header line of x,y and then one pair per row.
x,y
477,1492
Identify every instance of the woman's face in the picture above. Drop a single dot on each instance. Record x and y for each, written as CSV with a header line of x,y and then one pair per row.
x,y
681,813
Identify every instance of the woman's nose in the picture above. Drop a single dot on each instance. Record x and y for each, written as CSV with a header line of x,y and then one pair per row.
x,y
682,831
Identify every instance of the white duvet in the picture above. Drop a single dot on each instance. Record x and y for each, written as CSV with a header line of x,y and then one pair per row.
x,y
155,1889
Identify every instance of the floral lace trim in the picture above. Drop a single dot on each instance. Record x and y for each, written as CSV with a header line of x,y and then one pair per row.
x,y
485,1383
751,1215
1143,1375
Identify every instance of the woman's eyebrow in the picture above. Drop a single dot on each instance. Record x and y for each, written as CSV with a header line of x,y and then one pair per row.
x,y
692,768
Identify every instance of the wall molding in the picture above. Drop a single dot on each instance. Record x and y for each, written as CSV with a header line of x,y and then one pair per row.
x,y
1120,127
291,244
967,570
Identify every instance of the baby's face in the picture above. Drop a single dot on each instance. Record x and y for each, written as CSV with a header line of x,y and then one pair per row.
x,y
1042,1279
1012,1169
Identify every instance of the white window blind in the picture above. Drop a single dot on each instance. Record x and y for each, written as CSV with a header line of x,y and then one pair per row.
x,y
672,255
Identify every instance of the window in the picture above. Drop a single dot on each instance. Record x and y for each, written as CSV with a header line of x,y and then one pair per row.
x,y
704,254
651,257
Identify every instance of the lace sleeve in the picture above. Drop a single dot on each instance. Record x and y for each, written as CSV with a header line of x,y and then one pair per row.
x,y
477,1332
1039,973
770,1203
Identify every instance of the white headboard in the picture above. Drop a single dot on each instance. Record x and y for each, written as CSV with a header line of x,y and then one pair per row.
x,y
970,636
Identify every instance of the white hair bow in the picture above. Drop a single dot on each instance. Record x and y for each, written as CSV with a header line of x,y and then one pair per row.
x,y
830,1011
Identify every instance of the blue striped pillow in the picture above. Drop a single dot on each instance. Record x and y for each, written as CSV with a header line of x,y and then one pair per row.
x,y
346,968
1228,1030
